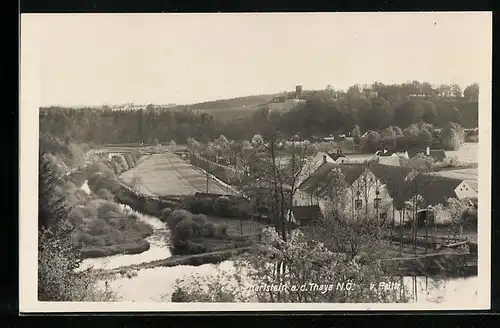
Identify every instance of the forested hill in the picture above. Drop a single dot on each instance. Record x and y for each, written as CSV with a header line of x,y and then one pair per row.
x,y
233,103
324,112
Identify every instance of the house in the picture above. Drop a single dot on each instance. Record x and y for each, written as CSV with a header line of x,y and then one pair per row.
x,y
305,215
388,157
359,194
338,157
438,155
436,190
380,191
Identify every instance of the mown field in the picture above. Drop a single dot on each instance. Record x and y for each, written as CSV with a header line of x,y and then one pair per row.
x,y
236,227
469,175
167,174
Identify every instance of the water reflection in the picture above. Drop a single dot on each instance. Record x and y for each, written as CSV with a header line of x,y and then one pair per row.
x,y
158,247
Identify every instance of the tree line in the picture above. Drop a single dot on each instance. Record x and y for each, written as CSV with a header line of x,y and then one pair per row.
x,y
324,112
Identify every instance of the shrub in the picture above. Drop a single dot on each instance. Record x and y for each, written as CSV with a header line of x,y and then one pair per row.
x,y
164,214
119,223
114,237
100,181
105,194
200,220
116,167
83,239
76,216
176,217
208,230
129,160
143,229
220,231
97,227
106,208
90,209
184,230
120,159
102,168
221,205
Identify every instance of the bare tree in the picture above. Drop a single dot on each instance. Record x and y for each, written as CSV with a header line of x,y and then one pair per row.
x,y
280,174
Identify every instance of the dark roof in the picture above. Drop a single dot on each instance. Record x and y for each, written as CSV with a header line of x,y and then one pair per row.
x,y
307,213
386,153
435,189
336,156
350,171
438,154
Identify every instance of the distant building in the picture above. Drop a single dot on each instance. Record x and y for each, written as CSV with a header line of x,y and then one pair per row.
x,y
388,157
338,157
370,93
288,101
438,155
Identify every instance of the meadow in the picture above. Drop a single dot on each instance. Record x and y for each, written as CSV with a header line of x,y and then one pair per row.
x,y
167,174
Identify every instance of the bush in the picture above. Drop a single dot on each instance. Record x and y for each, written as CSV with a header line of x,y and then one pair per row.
x,y
143,229
220,231
184,230
129,160
114,237
90,209
164,214
100,181
102,168
106,208
76,216
201,205
200,220
105,194
221,205
84,239
176,217
120,159
116,167
208,230
97,227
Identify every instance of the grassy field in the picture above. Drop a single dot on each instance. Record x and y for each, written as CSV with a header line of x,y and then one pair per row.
x,y
236,227
167,174
469,175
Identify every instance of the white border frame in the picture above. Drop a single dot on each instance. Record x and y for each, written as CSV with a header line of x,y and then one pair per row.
x,y
29,104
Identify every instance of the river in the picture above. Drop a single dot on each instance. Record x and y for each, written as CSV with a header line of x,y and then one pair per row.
x,y
157,284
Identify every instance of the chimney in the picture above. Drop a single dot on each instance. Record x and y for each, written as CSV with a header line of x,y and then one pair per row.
x,y
324,159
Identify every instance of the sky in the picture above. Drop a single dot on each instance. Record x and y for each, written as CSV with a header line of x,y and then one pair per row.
x,y
97,59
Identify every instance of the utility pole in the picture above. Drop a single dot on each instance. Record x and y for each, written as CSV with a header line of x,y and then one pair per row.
x,y
207,180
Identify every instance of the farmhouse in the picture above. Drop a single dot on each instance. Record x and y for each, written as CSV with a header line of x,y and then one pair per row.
x,y
388,157
338,157
379,191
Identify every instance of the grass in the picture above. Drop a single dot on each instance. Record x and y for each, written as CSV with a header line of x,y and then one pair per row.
x,y
129,248
167,174
235,229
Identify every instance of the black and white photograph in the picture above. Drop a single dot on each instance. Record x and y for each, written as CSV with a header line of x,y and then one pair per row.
x,y
255,161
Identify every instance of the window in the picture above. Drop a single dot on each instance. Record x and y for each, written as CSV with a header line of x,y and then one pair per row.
x,y
377,202
358,203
